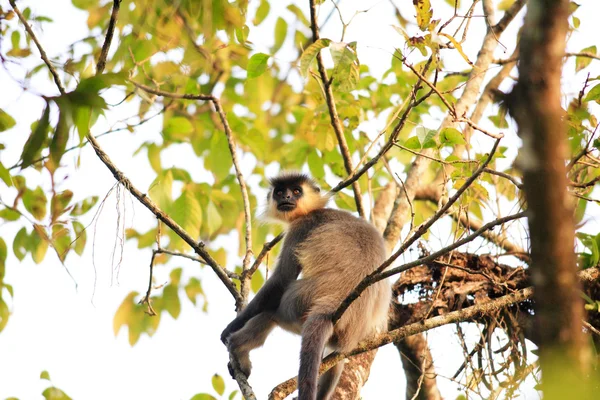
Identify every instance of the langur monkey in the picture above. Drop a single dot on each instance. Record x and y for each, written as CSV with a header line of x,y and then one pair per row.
x,y
325,254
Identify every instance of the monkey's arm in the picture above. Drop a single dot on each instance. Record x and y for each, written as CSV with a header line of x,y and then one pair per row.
x,y
268,297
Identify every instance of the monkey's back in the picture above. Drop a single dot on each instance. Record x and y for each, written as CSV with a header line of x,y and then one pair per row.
x,y
336,251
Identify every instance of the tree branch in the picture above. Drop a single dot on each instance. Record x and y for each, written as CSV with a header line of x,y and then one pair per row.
x,y
108,38
474,312
43,55
333,114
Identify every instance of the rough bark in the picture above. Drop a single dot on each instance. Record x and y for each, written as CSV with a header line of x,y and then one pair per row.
x,y
535,105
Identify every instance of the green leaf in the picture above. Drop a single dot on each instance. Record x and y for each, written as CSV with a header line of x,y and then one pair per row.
x,y
38,245
20,244
213,218
15,39
59,203
218,160
35,202
171,301
281,30
413,143
161,189
233,394
257,65
5,175
218,384
316,165
36,139
424,13
594,94
4,314
177,128
458,47
311,53
6,121
84,206
60,137
193,289
54,393
45,375
346,68
96,83
425,135
451,136
8,214
582,62
257,281
187,213
80,237
261,12
203,396
299,14
3,255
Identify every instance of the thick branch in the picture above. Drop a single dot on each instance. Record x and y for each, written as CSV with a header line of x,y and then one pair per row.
x,y
535,104
467,314
108,38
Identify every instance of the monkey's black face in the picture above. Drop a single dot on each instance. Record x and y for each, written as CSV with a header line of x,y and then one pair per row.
x,y
287,197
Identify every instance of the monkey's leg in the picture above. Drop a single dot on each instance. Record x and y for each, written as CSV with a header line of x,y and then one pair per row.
x,y
315,333
329,380
251,336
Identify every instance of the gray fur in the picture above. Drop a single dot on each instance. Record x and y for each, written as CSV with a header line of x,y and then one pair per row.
x,y
334,251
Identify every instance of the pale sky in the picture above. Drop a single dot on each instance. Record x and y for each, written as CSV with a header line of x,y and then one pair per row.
x,y
66,329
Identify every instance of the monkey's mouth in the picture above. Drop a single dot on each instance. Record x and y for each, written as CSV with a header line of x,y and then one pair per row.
x,y
286,206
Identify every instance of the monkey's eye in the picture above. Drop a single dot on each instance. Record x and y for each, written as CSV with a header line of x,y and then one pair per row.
x,y
297,191
279,193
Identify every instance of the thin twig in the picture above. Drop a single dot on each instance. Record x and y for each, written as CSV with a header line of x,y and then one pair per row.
x,y
43,55
263,253
373,277
333,114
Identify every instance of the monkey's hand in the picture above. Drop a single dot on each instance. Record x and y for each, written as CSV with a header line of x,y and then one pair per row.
x,y
233,327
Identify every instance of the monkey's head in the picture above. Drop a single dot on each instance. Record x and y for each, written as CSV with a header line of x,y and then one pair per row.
x,y
293,195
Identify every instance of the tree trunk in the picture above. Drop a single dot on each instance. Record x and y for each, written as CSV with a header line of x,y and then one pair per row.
x,y
535,105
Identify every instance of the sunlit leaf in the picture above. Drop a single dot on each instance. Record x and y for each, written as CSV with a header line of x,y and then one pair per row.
x,y
451,136
257,281
281,30
54,393
311,53
425,135
177,128
424,13
5,175
203,396
161,189
3,255
80,237
35,202
193,289
213,218
171,301
594,94
6,121
257,65
458,47
581,61
261,12
346,69
84,206
45,375
218,384
20,244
